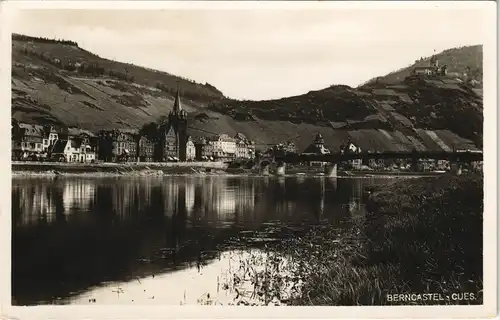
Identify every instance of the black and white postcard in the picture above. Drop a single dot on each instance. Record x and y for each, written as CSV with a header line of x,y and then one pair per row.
x,y
237,159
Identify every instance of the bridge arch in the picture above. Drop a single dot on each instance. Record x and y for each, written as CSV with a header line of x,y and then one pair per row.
x,y
265,161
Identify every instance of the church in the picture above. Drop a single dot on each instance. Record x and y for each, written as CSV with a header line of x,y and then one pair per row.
x,y
174,136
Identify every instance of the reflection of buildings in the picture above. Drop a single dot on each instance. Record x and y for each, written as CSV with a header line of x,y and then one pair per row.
x,y
219,199
77,195
245,198
44,201
355,206
170,198
34,203
122,199
190,191
225,203
208,199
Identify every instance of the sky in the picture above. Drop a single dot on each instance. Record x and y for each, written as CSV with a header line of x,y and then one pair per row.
x,y
263,53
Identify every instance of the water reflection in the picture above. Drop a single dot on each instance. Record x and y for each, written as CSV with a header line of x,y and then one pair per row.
x,y
70,234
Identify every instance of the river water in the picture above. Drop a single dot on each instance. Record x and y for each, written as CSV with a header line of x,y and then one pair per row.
x,y
159,240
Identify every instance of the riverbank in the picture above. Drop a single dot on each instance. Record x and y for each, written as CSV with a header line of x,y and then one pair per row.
x,y
115,169
420,237
40,169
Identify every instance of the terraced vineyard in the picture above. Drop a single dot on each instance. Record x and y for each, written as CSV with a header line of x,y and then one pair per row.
x,y
61,83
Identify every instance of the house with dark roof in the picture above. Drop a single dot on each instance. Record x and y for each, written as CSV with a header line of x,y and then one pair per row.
x,y
117,145
50,135
72,150
202,149
317,147
145,149
60,151
27,141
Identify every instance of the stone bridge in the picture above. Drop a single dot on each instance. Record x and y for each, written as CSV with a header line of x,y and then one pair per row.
x,y
457,158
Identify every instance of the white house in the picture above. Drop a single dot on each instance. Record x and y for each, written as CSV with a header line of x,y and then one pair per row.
x,y
223,145
352,148
73,151
190,150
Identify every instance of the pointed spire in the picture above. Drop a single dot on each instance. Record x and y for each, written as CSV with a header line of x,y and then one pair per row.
x,y
177,102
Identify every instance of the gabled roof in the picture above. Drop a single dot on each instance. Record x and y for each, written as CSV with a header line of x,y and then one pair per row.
x,y
315,149
77,132
59,146
33,130
75,143
223,137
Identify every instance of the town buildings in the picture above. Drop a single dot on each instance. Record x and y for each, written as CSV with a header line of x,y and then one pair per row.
x,y
145,149
117,145
223,147
83,145
203,150
170,143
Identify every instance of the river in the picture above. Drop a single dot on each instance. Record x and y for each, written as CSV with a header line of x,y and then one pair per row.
x,y
159,240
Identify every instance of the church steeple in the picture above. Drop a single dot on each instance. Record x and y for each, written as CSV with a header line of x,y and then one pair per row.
x,y
177,102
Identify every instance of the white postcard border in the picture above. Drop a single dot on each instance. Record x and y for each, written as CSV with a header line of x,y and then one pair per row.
x,y
137,312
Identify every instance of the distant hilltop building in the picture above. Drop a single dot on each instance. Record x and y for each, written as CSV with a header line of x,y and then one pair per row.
x,y
433,69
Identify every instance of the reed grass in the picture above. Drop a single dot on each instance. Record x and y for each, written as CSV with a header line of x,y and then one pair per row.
x,y
421,236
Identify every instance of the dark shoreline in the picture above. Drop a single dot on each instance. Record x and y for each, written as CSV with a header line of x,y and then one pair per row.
x,y
418,236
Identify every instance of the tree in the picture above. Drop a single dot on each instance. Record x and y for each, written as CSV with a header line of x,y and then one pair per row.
x,y
150,131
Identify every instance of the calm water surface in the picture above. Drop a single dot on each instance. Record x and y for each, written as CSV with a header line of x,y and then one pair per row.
x,y
165,240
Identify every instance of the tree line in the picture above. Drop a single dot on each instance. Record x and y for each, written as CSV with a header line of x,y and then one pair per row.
x,y
92,68
21,37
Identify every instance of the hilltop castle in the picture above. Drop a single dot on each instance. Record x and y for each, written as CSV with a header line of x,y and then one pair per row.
x,y
433,69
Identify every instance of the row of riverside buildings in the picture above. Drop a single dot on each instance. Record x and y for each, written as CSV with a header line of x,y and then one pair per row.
x,y
54,143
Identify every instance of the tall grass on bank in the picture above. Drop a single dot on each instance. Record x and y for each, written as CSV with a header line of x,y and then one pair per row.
x,y
421,236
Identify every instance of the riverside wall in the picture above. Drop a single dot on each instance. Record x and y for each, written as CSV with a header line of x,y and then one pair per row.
x,y
27,168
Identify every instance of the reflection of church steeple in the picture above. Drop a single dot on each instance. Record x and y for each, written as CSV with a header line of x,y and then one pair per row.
x,y
179,215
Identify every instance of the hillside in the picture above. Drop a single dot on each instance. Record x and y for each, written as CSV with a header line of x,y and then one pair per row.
x,y
59,82
465,60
